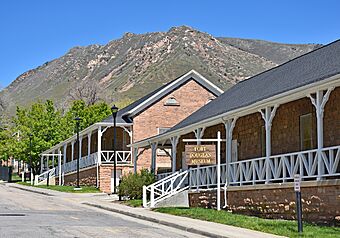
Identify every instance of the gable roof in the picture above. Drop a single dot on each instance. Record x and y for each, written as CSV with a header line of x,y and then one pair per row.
x,y
309,68
126,114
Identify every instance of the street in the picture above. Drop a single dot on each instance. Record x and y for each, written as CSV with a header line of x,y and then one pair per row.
x,y
27,214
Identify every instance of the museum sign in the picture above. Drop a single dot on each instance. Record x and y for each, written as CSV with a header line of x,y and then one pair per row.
x,y
200,154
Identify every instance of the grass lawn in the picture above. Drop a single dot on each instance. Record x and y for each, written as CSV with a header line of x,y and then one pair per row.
x,y
278,227
134,202
66,189
16,177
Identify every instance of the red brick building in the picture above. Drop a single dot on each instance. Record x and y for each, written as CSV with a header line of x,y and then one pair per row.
x,y
149,116
277,124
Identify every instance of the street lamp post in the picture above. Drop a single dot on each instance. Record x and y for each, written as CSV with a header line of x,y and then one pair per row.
x,y
77,119
114,111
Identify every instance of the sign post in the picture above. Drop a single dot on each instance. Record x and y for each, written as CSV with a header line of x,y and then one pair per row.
x,y
297,185
206,155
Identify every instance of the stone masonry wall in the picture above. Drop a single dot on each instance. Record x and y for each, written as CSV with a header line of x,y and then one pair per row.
x,y
321,204
87,177
190,96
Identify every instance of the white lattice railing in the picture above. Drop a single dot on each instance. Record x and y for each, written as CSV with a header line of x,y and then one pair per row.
x,y
162,175
43,176
84,162
281,168
123,157
165,188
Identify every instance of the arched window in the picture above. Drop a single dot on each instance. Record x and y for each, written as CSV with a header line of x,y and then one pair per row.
x,y
171,101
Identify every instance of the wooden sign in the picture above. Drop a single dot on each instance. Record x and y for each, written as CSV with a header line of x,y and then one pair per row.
x,y
200,154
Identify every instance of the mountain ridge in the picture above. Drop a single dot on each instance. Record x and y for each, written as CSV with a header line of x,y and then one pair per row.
x,y
135,64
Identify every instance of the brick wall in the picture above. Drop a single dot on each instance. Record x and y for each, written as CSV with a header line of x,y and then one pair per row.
x,y
332,119
321,204
191,96
247,132
105,174
286,126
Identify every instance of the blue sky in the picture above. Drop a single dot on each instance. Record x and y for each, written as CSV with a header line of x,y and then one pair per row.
x,y
33,32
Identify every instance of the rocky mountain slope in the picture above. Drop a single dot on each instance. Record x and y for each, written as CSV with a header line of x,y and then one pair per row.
x,y
134,65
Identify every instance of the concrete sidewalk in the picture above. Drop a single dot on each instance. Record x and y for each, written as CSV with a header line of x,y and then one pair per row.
x,y
205,228
105,202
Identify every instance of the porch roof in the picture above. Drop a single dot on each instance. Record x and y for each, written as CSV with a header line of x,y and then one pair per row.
x,y
308,69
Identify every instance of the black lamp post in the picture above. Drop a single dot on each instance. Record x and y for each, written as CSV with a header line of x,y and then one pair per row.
x,y
114,111
77,119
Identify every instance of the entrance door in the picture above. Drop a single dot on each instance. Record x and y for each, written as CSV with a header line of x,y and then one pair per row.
x,y
118,176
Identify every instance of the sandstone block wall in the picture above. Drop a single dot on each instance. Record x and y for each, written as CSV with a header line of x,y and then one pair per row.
x,y
320,204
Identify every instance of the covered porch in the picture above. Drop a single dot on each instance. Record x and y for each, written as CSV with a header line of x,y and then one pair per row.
x,y
95,148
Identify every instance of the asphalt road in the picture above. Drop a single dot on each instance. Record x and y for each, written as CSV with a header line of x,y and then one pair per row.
x,y
31,215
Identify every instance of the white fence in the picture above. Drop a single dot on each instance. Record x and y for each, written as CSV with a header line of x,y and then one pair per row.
x,y
309,164
123,157
84,162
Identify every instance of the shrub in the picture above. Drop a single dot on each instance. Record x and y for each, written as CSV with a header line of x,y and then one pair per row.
x,y
132,184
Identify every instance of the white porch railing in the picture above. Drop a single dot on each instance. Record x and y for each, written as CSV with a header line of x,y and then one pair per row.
x,y
43,176
246,172
162,175
123,157
84,162
165,188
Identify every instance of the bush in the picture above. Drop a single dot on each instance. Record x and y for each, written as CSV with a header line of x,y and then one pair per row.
x,y
132,184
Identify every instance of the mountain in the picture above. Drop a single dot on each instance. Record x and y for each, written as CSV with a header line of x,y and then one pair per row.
x,y
130,67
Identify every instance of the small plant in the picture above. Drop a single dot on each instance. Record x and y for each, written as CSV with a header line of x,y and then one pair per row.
x,y
131,185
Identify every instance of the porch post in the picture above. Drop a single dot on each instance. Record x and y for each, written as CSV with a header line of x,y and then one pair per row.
x,y
80,145
72,148
229,127
319,101
153,156
53,159
99,144
64,163
135,158
41,163
268,115
88,145
59,166
174,142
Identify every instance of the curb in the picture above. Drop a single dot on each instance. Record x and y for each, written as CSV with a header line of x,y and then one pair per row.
x,y
154,220
30,190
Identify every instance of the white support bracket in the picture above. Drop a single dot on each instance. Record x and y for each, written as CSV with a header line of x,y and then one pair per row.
x,y
199,133
268,114
153,156
319,101
174,142
229,127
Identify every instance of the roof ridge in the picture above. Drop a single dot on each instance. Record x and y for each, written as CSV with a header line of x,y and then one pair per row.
x,y
310,52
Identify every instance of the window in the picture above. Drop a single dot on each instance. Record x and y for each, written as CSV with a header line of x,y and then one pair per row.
x,y
171,101
163,152
306,130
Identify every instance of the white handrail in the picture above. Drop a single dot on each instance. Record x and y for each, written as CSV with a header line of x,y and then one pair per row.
x,y
165,188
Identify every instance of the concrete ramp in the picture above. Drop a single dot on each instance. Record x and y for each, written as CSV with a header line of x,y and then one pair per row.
x,y
180,199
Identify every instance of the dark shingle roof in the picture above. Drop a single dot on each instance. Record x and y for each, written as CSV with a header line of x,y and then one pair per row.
x,y
306,69
123,115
